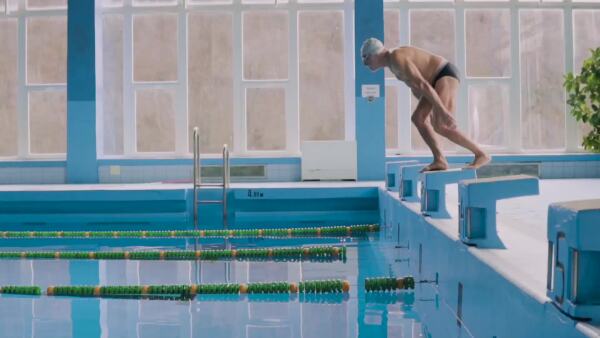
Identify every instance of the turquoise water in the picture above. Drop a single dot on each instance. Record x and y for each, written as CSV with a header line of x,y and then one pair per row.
x,y
354,315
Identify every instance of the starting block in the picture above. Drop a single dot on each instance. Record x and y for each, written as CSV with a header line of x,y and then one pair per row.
x,y
574,258
477,206
408,182
393,174
433,189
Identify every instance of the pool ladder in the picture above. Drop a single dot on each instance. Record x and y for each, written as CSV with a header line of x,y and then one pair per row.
x,y
198,182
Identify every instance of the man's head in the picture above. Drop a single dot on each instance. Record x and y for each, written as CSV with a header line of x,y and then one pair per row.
x,y
369,51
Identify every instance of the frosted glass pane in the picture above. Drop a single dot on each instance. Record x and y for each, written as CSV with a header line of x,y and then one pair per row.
x,y
542,70
155,47
112,3
391,117
321,74
489,108
210,79
488,42
155,120
208,2
12,5
112,58
266,35
48,122
154,2
8,87
265,1
391,20
46,4
586,36
47,50
433,30
319,1
265,112
2,7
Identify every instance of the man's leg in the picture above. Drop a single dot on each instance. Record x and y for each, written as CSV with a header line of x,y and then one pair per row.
x,y
420,118
445,125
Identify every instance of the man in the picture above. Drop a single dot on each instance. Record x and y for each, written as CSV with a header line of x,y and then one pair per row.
x,y
435,82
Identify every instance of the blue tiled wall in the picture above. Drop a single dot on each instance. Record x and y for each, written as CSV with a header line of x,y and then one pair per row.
x,y
274,172
182,172
33,175
588,169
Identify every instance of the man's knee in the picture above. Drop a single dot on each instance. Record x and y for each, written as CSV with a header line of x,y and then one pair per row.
x,y
418,120
443,128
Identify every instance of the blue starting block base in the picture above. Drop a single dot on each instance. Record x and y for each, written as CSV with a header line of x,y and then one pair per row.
x,y
393,174
408,182
477,206
574,258
433,189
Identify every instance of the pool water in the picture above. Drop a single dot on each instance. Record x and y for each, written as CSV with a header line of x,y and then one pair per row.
x,y
357,314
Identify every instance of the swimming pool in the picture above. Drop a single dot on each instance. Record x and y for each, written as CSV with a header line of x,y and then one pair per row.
x,y
356,313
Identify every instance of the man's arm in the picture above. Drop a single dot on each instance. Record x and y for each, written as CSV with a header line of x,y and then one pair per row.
x,y
422,87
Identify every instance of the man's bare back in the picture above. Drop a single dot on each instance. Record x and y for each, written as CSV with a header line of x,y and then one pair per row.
x,y
427,63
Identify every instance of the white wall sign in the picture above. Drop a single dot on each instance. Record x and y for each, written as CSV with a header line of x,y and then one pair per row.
x,y
370,91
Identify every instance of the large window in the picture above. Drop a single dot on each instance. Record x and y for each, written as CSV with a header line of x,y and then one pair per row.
x,y
258,75
33,70
512,56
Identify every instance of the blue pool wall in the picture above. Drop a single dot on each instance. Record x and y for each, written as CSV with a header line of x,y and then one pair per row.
x,y
173,208
285,169
416,247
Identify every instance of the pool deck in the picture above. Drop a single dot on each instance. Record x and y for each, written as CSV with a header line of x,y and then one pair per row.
x,y
174,186
522,227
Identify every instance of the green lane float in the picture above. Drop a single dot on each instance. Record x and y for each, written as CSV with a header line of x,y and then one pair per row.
x,y
389,284
21,290
190,291
329,231
286,253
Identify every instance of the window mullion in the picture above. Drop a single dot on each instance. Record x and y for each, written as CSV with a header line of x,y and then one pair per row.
x,y
129,125
514,121
181,110
23,92
571,125
404,113
350,77
462,113
292,108
239,94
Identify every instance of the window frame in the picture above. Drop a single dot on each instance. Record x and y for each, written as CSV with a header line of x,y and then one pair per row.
x,y
22,14
240,85
513,136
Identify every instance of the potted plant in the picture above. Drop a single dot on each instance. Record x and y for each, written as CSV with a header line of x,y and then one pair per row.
x,y
584,98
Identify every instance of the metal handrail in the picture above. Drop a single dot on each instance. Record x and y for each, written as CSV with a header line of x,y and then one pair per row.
x,y
198,182
226,178
196,174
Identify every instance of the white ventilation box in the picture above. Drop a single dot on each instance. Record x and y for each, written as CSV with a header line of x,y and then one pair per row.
x,y
328,160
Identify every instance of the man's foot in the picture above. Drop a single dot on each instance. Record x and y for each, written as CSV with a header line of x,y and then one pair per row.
x,y
436,165
479,161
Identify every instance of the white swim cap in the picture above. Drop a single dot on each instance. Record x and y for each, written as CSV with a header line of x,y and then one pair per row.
x,y
371,46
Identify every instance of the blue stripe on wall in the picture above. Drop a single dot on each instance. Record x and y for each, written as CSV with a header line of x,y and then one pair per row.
x,y
81,93
370,116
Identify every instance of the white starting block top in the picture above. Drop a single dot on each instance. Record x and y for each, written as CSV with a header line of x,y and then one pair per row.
x,y
579,221
433,189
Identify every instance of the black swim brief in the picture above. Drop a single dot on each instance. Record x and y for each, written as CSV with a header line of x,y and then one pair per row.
x,y
448,70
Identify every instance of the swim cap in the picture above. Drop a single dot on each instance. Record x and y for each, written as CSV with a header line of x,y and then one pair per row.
x,y
371,46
